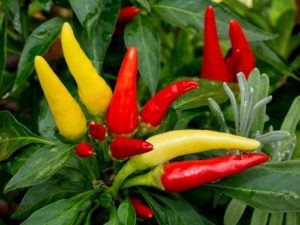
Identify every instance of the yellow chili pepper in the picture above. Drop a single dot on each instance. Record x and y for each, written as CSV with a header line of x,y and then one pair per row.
x,y
67,114
93,91
169,145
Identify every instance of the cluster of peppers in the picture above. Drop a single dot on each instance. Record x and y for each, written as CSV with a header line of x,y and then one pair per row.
x,y
239,58
119,111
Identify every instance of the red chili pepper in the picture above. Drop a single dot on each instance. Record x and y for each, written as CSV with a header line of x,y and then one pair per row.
x,y
127,13
213,65
4,209
246,60
155,109
125,16
124,147
122,114
182,176
141,210
97,131
84,150
185,175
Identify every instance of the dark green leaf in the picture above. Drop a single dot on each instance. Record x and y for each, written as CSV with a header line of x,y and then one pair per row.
x,y
263,52
142,34
291,218
62,212
126,213
168,122
96,43
87,11
38,43
293,117
184,117
185,213
271,187
41,195
159,211
46,123
189,15
16,162
13,7
199,97
8,80
14,135
41,166
2,46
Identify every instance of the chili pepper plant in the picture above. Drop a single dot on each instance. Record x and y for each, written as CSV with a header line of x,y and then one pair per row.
x,y
149,112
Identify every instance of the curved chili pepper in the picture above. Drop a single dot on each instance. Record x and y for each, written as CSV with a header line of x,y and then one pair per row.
x,y
246,62
155,109
124,147
141,210
67,113
185,175
125,16
97,131
169,145
122,114
84,150
127,13
93,91
213,65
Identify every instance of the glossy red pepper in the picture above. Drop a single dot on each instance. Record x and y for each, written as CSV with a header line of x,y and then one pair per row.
x,y
84,150
122,114
141,210
239,43
124,147
155,109
185,175
127,13
97,131
125,16
213,65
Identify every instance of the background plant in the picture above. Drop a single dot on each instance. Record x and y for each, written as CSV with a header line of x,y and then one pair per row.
x,y
168,33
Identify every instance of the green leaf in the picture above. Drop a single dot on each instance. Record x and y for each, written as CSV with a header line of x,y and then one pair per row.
x,y
266,54
184,117
8,80
16,162
2,45
38,43
199,97
41,166
62,212
272,187
46,123
278,8
276,219
158,210
96,41
291,218
185,213
41,195
189,15
142,34
259,217
87,11
234,212
14,135
293,117
126,213
113,217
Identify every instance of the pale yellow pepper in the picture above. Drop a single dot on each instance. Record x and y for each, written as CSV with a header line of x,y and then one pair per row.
x,y
169,145
69,118
93,91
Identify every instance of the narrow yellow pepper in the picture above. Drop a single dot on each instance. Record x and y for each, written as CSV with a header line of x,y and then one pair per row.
x,y
67,114
93,91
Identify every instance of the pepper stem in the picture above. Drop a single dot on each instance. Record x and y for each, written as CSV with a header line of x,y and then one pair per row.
x,y
125,171
151,179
